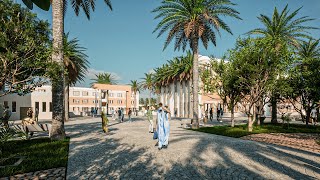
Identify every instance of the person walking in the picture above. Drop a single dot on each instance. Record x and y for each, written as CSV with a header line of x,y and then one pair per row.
x,y
119,114
122,115
314,116
150,119
211,114
36,114
129,115
166,125
218,114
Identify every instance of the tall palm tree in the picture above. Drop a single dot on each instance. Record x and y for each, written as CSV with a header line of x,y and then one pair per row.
x,y
283,28
135,88
104,78
76,65
148,84
191,21
58,10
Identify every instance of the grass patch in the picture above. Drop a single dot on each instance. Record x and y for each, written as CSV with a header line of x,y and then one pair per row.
x,y
241,130
40,154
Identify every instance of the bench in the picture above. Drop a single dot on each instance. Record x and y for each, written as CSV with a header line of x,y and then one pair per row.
x,y
33,128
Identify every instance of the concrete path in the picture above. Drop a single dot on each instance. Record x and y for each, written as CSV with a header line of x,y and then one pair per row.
x,y
128,152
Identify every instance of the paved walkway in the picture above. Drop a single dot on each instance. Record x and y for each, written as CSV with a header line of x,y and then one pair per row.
x,y
129,153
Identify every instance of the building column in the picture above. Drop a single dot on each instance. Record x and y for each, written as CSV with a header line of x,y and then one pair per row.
x,y
187,99
171,98
179,98
190,100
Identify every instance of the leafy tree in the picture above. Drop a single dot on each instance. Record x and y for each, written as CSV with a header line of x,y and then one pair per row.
x,y
282,28
24,42
304,79
141,101
104,78
223,78
58,10
256,66
191,21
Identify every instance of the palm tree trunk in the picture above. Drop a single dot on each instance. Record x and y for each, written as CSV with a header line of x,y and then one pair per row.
x,y
195,79
185,96
175,98
66,100
57,130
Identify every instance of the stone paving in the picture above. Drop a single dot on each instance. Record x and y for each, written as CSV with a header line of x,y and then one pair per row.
x,y
50,174
128,152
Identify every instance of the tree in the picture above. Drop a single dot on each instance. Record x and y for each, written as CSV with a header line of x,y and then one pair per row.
x,y
104,78
223,78
141,101
191,21
147,84
76,65
304,79
58,9
24,42
135,88
256,65
282,28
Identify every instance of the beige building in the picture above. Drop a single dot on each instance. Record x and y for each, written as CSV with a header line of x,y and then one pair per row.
x,y
114,97
82,101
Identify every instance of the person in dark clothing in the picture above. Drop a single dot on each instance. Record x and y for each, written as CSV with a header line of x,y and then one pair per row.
x,y
211,114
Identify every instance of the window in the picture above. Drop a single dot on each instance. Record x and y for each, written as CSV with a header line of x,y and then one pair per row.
x,y
85,101
41,90
50,106
14,106
44,107
5,104
37,105
85,93
95,101
76,93
76,101
119,101
110,94
119,95
94,94
110,101
74,108
132,102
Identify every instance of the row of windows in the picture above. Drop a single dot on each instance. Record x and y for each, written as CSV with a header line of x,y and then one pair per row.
x,y
84,93
14,106
84,101
82,109
119,102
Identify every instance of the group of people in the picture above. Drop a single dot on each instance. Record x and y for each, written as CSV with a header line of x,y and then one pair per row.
x,y
162,130
219,113
120,113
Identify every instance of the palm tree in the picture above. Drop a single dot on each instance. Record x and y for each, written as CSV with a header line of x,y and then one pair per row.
x,y
135,88
191,21
104,78
148,84
283,28
58,10
76,65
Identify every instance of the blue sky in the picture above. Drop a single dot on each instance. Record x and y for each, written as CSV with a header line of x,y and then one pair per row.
x,y
121,41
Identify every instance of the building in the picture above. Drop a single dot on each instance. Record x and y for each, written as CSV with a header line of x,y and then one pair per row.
x,y
114,97
40,98
82,101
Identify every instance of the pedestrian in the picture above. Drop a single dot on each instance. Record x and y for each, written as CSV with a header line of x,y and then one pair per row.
x,y
221,114
129,115
6,117
122,115
205,118
218,114
30,113
36,114
175,112
211,114
162,126
119,114
314,116
150,119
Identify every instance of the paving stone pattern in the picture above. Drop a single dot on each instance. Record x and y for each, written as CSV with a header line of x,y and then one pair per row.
x,y
50,174
295,140
129,152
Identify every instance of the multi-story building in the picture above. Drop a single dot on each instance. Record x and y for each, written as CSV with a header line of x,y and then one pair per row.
x,y
82,101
